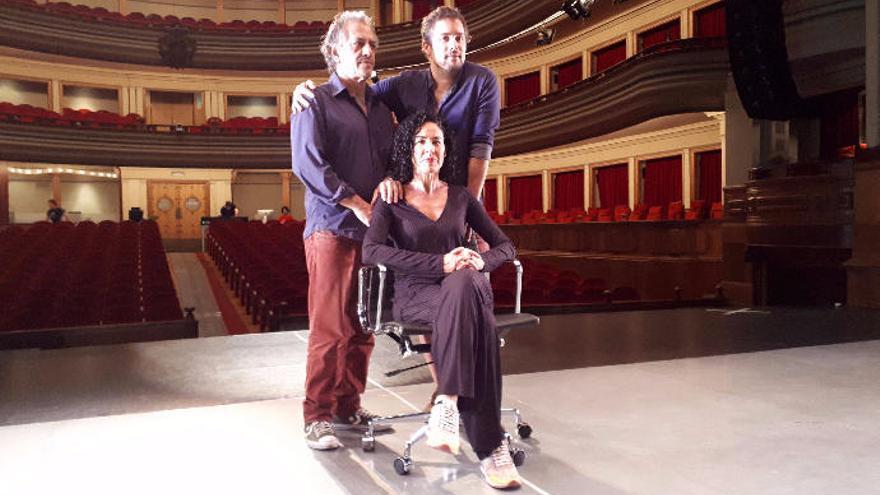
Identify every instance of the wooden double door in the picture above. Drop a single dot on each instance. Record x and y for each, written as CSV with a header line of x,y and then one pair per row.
x,y
178,207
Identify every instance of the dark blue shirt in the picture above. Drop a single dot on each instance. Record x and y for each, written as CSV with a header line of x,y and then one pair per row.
x,y
471,109
339,152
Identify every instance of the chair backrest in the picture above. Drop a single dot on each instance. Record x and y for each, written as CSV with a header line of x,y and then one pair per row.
x,y
375,285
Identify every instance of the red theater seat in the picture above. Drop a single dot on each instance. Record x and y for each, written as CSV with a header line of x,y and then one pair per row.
x,y
676,211
655,213
697,211
639,213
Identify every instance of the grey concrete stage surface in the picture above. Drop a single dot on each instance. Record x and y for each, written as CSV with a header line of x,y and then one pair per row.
x,y
663,402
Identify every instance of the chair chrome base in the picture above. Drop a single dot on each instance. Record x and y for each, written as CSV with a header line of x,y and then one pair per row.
x,y
404,463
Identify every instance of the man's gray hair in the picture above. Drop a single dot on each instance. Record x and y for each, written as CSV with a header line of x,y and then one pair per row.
x,y
337,30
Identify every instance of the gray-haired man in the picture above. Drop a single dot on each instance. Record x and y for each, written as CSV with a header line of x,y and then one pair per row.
x,y
340,148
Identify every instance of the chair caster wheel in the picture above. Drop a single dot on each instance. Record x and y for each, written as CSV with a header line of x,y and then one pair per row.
x,y
524,430
519,457
402,466
368,444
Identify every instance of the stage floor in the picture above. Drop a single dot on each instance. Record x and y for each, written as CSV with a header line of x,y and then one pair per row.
x,y
223,415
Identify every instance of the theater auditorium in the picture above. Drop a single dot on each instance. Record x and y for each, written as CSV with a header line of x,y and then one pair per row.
x,y
690,187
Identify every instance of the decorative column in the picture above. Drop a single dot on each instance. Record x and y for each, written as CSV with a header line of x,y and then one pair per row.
x,y
282,11
686,170
56,188
545,79
55,95
685,25
283,108
501,188
586,64
285,189
219,13
634,179
123,8
376,11
588,187
397,8
631,44
863,269
546,190
340,5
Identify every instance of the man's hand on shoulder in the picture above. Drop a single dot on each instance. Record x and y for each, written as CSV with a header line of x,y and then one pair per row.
x,y
302,97
389,190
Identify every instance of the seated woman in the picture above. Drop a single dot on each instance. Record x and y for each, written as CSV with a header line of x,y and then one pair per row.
x,y
285,216
441,283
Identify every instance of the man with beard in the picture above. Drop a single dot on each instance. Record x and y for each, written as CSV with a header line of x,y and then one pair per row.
x,y
463,94
340,147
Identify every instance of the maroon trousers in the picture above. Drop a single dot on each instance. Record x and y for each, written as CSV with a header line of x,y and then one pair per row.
x,y
338,352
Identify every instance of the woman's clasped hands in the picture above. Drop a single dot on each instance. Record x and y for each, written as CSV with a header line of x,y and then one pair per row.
x,y
462,258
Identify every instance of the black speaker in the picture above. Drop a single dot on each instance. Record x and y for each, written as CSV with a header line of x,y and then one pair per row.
x,y
135,214
759,60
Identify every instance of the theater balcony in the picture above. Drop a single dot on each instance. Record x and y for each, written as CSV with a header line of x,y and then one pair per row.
x,y
677,77
28,26
671,78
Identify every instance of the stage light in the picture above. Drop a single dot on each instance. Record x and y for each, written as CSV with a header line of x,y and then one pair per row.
x,y
545,36
578,9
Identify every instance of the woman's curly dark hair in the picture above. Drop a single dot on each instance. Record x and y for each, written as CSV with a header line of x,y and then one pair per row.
x,y
401,166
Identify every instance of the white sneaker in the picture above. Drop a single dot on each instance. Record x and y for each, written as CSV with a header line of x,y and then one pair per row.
x,y
320,435
498,469
443,426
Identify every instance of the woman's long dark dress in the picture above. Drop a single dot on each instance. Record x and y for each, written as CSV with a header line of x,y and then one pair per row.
x,y
459,306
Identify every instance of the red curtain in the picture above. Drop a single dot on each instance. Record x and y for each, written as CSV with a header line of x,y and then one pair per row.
x,y
709,169
524,194
609,56
839,117
522,88
568,73
660,34
421,8
568,190
662,181
613,185
490,194
710,22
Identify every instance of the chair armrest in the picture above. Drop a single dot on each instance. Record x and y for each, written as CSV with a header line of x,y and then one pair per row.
x,y
365,291
519,275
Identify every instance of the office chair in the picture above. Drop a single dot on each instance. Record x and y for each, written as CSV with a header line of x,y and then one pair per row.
x,y
372,293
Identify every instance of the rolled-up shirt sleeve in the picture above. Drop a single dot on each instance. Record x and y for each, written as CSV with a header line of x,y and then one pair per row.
x,y
488,117
310,164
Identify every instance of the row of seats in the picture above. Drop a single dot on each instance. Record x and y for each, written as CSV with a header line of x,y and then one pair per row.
x,y
240,125
699,210
544,284
101,14
102,119
29,114
264,265
67,275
